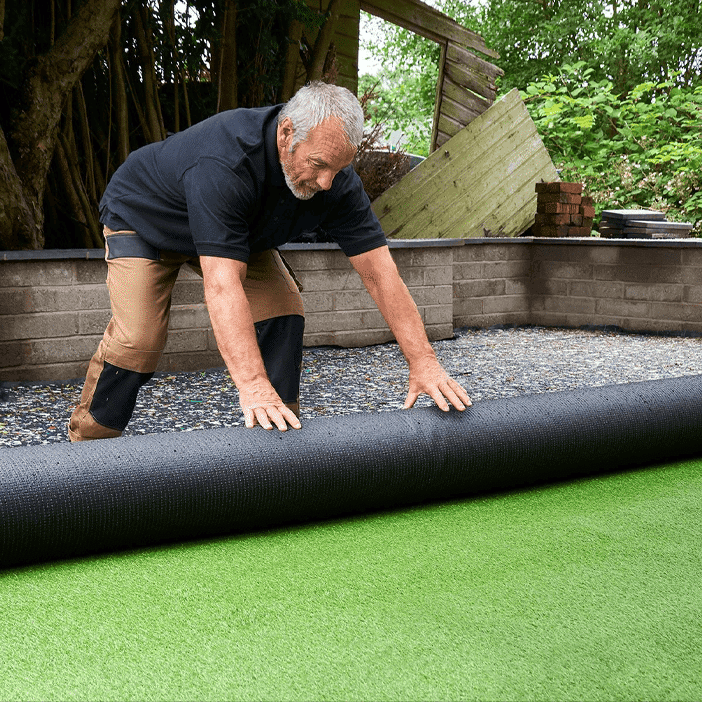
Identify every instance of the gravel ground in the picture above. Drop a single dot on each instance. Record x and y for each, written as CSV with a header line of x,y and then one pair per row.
x,y
490,363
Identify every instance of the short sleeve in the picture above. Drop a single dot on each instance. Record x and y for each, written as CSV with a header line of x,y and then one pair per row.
x,y
220,202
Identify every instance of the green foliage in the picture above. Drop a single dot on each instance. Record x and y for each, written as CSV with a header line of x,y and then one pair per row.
x,y
628,42
401,105
405,88
643,149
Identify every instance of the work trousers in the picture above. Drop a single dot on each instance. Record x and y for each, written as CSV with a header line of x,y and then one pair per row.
x,y
140,280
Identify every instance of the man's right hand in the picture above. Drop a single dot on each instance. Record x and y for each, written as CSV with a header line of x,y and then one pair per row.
x,y
236,338
262,405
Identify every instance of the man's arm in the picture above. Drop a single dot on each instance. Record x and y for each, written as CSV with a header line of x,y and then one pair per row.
x,y
382,280
234,330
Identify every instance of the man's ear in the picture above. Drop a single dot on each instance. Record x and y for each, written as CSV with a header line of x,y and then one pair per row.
x,y
285,134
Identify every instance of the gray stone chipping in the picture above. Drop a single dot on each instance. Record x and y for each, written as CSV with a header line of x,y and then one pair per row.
x,y
490,363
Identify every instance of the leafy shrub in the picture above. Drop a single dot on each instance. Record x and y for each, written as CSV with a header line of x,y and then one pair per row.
x,y
638,150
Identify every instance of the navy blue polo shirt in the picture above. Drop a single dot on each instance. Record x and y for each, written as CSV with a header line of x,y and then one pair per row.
x,y
217,189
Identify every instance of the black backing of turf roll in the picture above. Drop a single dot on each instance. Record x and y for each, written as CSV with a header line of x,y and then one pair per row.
x,y
74,499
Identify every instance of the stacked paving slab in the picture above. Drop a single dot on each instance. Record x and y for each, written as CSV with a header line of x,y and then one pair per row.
x,y
562,210
641,224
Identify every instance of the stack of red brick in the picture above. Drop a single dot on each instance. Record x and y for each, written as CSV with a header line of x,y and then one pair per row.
x,y
562,210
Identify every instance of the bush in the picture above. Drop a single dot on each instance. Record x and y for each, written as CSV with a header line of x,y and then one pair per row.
x,y
638,150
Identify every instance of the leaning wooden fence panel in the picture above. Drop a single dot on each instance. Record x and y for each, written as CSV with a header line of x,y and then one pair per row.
x,y
479,183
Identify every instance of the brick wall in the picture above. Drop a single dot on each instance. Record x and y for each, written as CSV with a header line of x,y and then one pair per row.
x,y
340,312
642,286
54,307
491,282
54,304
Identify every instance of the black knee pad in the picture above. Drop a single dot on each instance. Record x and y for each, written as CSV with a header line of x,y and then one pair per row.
x,y
115,396
280,341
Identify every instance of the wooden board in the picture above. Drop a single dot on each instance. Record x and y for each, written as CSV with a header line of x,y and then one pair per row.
x,y
470,146
465,89
463,94
479,183
458,54
459,113
422,19
436,136
461,85
453,95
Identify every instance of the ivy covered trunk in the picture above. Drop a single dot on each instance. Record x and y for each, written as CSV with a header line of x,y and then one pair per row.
x,y
25,160
20,218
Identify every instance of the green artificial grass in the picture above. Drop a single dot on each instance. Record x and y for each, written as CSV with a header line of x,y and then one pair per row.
x,y
589,590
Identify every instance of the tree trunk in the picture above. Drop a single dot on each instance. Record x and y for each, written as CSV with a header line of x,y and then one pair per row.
x,y
33,136
292,60
19,228
315,69
119,90
152,106
227,98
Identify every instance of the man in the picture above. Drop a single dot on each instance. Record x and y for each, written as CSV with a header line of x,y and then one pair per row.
x,y
221,196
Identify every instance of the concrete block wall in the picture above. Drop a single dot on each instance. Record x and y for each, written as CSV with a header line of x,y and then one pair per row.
x,y
54,310
48,311
491,282
54,305
637,285
340,312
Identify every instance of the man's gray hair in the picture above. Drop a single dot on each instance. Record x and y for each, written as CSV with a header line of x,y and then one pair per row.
x,y
316,102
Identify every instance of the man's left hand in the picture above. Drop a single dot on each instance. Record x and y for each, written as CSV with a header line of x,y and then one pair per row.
x,y
427,376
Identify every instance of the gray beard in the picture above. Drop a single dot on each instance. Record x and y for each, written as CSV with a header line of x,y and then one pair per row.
x,y
299,194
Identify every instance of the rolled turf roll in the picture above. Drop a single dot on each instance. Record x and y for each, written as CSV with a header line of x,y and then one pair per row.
x,y
71,500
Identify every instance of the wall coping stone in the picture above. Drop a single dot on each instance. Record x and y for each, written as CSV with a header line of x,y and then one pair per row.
x,y
392,243
92,254
88,254
689,243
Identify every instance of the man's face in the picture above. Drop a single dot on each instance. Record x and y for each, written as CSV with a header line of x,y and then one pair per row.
x,y
314,162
